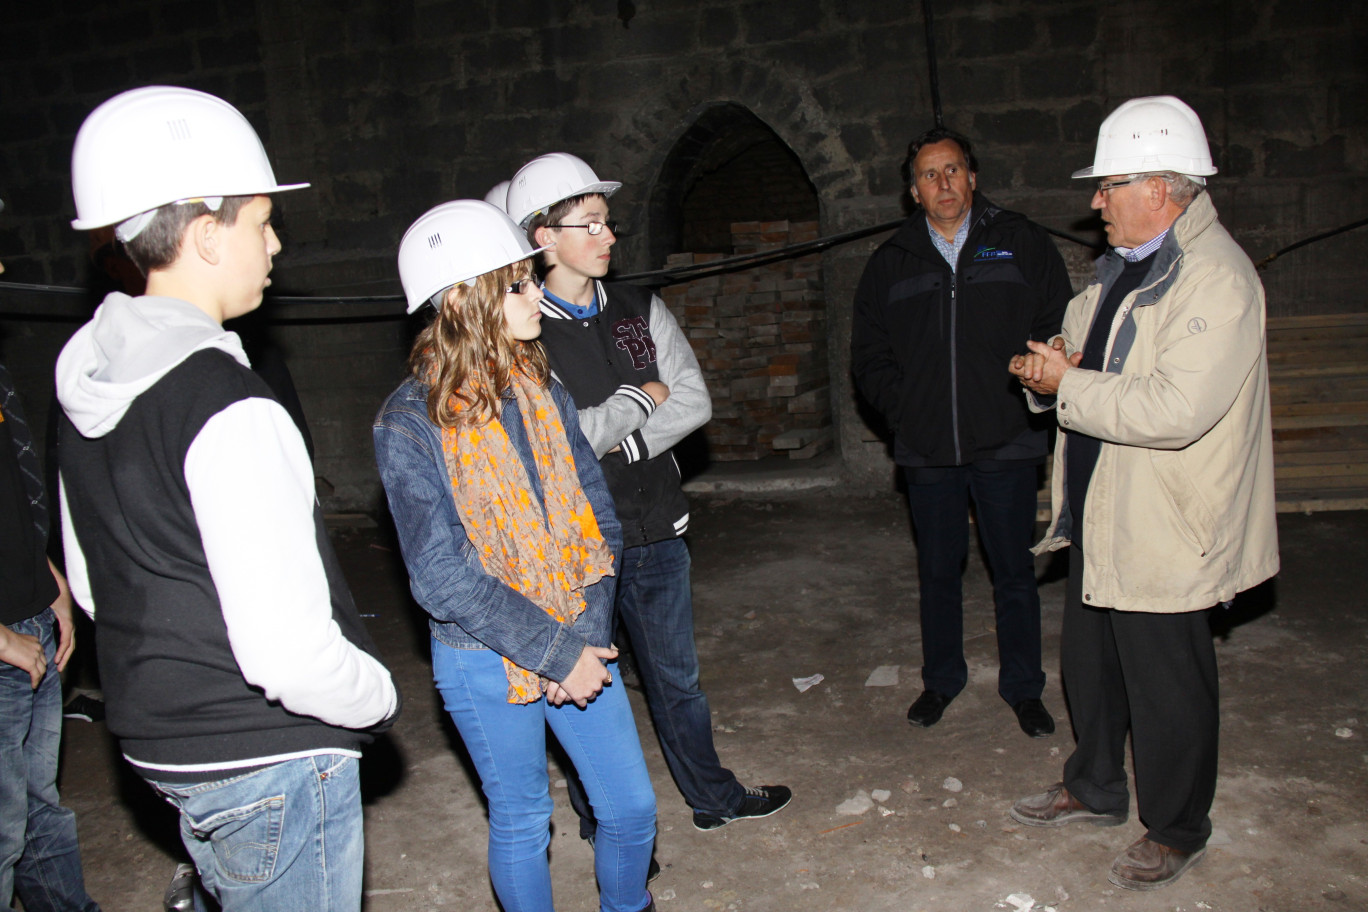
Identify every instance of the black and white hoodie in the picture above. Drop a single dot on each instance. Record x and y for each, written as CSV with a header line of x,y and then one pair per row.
x,y
227,637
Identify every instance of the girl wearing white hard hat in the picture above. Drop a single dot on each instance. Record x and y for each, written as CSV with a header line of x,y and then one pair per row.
x,y
508,531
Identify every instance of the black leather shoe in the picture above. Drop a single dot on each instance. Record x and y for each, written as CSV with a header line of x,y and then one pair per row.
x,y
1034,719
928,708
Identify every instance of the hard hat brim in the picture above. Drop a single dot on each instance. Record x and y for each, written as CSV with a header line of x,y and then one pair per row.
x,y
604,188
91,224
416,303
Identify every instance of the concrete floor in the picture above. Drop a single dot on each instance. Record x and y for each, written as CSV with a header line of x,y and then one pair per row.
x,y
823,582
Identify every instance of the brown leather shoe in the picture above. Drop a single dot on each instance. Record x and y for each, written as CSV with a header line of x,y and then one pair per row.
x,y
1147,865
1057,807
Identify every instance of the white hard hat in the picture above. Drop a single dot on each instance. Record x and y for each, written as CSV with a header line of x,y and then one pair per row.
x,y
498,195
454,243
1157,133
148,147
545,181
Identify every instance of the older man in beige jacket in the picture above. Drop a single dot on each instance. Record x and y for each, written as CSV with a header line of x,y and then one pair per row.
x,y
1165,460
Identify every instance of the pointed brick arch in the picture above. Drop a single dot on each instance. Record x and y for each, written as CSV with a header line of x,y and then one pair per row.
x,y
775,98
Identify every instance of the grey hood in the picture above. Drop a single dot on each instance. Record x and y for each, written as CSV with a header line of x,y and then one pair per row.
x,y
128,345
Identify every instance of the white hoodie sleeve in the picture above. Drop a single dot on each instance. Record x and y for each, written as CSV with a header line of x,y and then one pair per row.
x,y
78,578
251,484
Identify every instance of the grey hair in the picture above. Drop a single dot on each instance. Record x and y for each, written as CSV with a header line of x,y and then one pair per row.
x,y
1182,189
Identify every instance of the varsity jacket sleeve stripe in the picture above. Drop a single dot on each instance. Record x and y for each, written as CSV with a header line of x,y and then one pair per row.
x,y
689,406
252,488
607,424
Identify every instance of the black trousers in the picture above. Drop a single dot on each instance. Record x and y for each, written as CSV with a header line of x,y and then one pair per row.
x,y
1005,506
1154,675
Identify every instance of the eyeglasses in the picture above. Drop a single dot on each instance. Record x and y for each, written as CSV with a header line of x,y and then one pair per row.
x,y
594,228
519,286
1104,185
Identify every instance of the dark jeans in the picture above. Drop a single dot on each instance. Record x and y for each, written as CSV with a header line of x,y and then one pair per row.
x,y
1005,505
40,857
1154,675
655,607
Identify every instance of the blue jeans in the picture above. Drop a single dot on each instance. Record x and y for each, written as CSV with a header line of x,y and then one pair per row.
x,y
507,743
40,859
286,838
1005,507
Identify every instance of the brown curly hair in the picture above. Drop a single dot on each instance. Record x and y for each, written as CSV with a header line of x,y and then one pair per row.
x,y
466,355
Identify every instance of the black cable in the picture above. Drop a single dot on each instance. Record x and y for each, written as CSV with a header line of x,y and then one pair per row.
x,y
931,61
655,278
681,274
1311,240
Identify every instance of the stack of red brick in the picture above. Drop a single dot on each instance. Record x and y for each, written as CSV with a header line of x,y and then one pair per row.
x,y
760,337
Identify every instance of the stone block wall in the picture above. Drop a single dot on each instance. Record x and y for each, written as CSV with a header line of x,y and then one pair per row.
x,y
760,339
390,106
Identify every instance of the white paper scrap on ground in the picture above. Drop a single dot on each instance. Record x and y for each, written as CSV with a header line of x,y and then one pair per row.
x,y
880,794
855,806
951,784
804,683
929,872
1022,902
883,676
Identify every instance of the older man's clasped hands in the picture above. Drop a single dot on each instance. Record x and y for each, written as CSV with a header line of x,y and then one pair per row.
x,y
1043,367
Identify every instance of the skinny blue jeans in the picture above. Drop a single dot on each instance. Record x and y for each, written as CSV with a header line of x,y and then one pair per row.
x,y
39,855
286,838
507,743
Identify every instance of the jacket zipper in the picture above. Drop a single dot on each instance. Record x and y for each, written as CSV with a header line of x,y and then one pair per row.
x,y
954,366
954,341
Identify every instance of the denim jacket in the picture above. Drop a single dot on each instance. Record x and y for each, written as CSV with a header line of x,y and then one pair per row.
x,y
470,609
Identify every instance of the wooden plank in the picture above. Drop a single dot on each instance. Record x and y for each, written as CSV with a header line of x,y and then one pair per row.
x,y
1321,483
1317,457
1317,439
1332,350
1297,502
1348,368
1319,390
1346,335
1281,422
1352,407
1318,320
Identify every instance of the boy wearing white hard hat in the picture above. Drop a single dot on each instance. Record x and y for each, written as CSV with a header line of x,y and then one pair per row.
x,y
237,674
639,391
513,548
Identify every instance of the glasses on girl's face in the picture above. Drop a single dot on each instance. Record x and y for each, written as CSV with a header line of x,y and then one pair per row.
x,y
594,228
520,286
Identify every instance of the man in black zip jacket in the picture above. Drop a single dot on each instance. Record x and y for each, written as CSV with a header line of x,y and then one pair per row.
x,y
940,305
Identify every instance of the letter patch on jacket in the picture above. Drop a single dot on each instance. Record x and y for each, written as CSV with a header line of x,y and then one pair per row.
x,y
634,337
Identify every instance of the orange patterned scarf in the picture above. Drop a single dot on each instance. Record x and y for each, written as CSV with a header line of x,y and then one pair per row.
x,y
549,556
